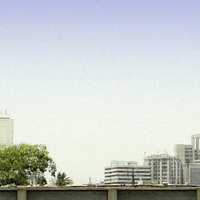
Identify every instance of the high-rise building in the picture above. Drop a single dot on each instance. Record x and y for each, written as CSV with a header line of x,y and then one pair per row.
x,y
6,130
190,158
196,146
127,173
194,173
165,169
185,153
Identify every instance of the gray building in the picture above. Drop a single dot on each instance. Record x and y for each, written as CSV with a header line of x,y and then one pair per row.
x,y
194,173
190,157
196,146
185,153
126,173
165,169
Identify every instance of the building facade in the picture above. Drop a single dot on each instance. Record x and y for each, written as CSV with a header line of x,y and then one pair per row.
x,y
165,169
126,173
185,152
196,146
6,130
190,157
194,173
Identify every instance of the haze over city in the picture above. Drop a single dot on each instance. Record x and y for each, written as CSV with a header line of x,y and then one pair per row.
x,y
100,80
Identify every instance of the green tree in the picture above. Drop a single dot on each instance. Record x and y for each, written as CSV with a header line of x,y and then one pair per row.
x,y
41,180
62,179
25,164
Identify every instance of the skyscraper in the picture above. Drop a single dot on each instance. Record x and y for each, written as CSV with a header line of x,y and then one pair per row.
x,y
184,152
6,130
190,157
194,173
196,146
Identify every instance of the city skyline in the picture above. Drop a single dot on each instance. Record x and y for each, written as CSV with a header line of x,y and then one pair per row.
x,y
106,80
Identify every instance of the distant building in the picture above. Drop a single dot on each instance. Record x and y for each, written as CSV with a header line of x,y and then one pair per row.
x,y
126,173
194,173
165,169
196,146
190,158
186,154
6,130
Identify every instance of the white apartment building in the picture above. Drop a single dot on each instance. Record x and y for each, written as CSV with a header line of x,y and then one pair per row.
x,y
165,169
126,173
6,130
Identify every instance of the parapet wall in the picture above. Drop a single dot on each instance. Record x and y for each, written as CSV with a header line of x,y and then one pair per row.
x,y
96,193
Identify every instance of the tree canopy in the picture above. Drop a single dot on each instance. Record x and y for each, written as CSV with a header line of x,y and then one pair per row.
x,y
62,179
25,164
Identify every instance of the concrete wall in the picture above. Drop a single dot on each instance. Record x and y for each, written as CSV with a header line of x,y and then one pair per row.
x,y
8,195
157,195
93,193
67,195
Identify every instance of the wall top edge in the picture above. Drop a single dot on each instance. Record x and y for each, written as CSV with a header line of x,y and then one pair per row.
x,y
78,188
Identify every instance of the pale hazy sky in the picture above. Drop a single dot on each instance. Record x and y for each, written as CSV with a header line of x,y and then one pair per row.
x,y
98,80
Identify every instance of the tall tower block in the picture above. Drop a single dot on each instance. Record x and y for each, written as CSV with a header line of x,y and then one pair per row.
x,y
6,130
196,146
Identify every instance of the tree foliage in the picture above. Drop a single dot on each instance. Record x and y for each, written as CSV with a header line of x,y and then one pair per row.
x,y
24,164
62,179
41,180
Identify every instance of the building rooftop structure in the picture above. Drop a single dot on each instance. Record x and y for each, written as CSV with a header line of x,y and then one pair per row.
x,y
123,163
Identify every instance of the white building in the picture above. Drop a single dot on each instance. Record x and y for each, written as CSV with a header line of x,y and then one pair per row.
x,y
6,130
126,173
165,169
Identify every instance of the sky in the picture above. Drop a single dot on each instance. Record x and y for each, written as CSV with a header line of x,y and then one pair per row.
x,y
101,80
